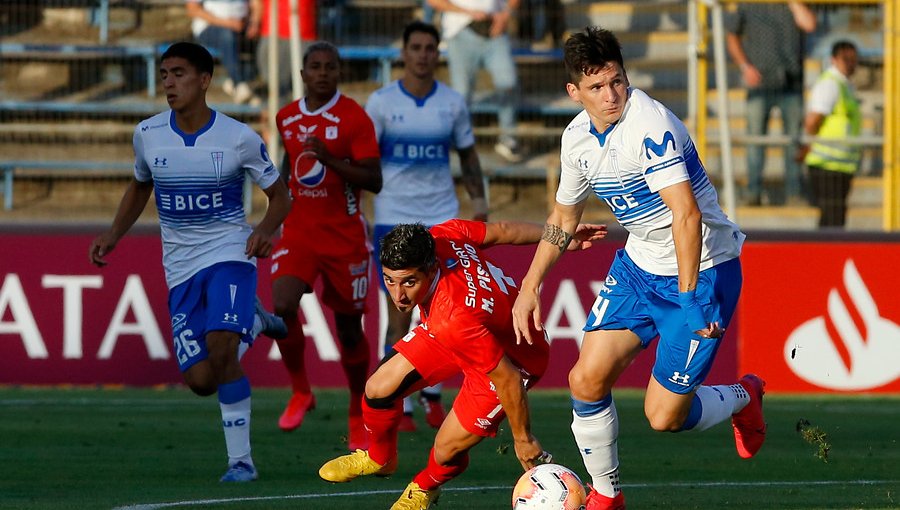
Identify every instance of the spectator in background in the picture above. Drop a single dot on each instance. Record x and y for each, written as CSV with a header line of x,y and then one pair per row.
x,y
832,112
476,34
543,23
306,9
764,41
418,120
220,25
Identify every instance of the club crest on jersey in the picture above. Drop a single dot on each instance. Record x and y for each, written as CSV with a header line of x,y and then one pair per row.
x,y
658,148
217,158
331,132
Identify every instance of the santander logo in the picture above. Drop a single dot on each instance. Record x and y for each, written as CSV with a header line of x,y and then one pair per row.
x,y
851,347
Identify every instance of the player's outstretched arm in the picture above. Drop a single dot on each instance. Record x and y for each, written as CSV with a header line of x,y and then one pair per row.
x,y
556,238
511,392
260,244
130,208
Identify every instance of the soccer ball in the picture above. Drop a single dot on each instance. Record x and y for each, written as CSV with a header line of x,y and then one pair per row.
x,y
549,487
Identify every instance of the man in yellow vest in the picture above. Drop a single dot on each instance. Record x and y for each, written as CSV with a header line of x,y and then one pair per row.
x,y
833,113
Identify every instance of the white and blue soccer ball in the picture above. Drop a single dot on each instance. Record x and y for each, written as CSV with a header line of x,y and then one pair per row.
x,y
549,487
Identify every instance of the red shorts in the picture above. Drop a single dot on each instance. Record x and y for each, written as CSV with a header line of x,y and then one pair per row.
x,y
345,275
476,406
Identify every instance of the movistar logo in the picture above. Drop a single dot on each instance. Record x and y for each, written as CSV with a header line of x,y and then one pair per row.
x,y
658,148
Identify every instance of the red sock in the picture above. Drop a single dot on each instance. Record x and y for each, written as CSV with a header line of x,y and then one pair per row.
x,y
435,475
382,427
355,362
292,348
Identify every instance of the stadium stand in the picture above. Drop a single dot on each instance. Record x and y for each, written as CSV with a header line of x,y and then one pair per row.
x,y
58,80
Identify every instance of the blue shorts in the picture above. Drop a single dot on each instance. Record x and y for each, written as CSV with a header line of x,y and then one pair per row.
x,y
647,305
221,297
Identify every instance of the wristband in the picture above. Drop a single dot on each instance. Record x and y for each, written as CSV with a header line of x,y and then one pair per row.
x,y
693,312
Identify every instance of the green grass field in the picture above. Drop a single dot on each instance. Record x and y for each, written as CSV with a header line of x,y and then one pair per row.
x,y
150,448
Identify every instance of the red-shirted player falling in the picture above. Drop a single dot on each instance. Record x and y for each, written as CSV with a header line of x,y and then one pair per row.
x,y
465,302
332,153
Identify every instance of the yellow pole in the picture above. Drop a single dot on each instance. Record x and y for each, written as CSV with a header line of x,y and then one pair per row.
x,y
889,149
893,110
702,85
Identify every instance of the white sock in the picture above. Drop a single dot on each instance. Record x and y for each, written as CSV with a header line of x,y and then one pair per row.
x,y
596,436
407,405
236,423
718,403
257,326
433,390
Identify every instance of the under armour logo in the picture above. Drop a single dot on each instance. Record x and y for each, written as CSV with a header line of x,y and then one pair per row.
x,y
397,117
161,162
677,378
583,164
230,317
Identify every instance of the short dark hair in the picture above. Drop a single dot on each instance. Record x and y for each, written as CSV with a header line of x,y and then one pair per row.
x,y
196,55
420,26
408,245
840,46
588,51
320,46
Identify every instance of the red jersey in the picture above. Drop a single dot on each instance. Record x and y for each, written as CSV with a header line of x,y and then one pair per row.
x,y
323,201
470,312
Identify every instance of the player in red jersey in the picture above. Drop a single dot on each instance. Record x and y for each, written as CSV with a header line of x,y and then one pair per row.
x,y
465,302
331,154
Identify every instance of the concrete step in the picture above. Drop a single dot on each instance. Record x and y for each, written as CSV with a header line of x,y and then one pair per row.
x,y
622,17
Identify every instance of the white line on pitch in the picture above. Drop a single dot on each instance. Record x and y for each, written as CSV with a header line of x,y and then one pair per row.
x,y
155,506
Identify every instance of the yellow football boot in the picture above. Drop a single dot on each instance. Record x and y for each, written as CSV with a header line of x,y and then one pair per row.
x,y
416,498
358,463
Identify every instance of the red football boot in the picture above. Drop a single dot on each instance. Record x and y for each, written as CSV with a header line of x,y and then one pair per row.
x,y
749,424
434,412
597,501
296,409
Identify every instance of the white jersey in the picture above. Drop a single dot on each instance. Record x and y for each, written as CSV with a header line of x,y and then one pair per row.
x,y
199,187
415,137
647,150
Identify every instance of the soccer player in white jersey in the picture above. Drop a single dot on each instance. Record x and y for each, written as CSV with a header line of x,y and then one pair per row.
x,y
196,159
678,277
418,120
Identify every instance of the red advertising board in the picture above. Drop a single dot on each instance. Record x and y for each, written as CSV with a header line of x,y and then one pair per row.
x,y
64,321
821,317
